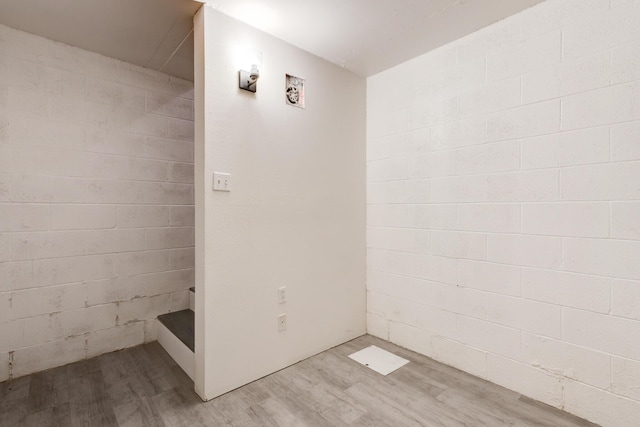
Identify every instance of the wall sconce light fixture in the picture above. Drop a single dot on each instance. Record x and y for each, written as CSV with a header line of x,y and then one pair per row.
x,y
248,79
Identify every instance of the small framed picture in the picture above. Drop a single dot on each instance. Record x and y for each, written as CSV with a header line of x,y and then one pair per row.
x,y
294,91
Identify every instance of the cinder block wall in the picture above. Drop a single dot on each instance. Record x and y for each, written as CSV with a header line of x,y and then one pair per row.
x,y
96,202
504,205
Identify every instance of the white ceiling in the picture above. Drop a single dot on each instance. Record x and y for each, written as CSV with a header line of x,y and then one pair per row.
x,y
365,36
142,32
369,36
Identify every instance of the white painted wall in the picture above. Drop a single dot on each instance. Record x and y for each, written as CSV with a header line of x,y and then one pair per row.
x,y
295,216
504,206
96,202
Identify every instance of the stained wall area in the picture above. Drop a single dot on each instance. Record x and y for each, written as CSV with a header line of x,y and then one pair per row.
x,y
295,215
96,202
503,205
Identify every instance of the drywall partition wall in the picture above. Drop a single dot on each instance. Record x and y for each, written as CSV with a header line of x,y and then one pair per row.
x,y
504,206
295,215
96,202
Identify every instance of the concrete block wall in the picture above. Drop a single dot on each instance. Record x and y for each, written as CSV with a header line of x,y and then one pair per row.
x,y
96,202
504,205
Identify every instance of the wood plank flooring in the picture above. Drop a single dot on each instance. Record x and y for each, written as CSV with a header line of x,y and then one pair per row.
x,y
143,386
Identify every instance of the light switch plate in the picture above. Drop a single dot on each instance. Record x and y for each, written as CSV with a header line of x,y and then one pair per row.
x,y
221,181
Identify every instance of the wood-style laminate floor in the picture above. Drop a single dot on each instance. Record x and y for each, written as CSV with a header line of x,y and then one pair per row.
x,y
142,386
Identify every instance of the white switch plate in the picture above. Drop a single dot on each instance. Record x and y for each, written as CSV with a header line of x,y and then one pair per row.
x,y
221,181
282,295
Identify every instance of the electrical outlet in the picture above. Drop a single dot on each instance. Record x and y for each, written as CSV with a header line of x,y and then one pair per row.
x,y
282,295
282,322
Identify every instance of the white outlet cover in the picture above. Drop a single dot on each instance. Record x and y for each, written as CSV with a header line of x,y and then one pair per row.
x,y
381,361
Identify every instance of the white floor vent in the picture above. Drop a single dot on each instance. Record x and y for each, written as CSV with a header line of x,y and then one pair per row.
x,y
378,359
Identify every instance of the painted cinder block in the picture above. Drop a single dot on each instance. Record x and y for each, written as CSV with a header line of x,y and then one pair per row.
x,y
460,356
5,307
504,34
614,258
115,94
522,122
5,247
609,105
493,338
181,172
625,299
399,239
181,216
113,141
117,338
624,377
532,382
377,326
581,147
167,238
497,278
16,275
625,63
605,333
169,105
458,189
526,315
422,266
624,220
555,15
541,160
46,355
72,269
405,191
143,308
537,51
4,366
459,133
601,31
179,300
566,219
459,245
133,216
49,245
48,300
566,78
133,121
497,96
142,262
561,288
502,218
179,129
570,361
13,335
488,158
388,169
612,181
88,173
413,338
523,186
429,112
600,406
624,141
82,217
114,241
69,323
528,251
429,165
